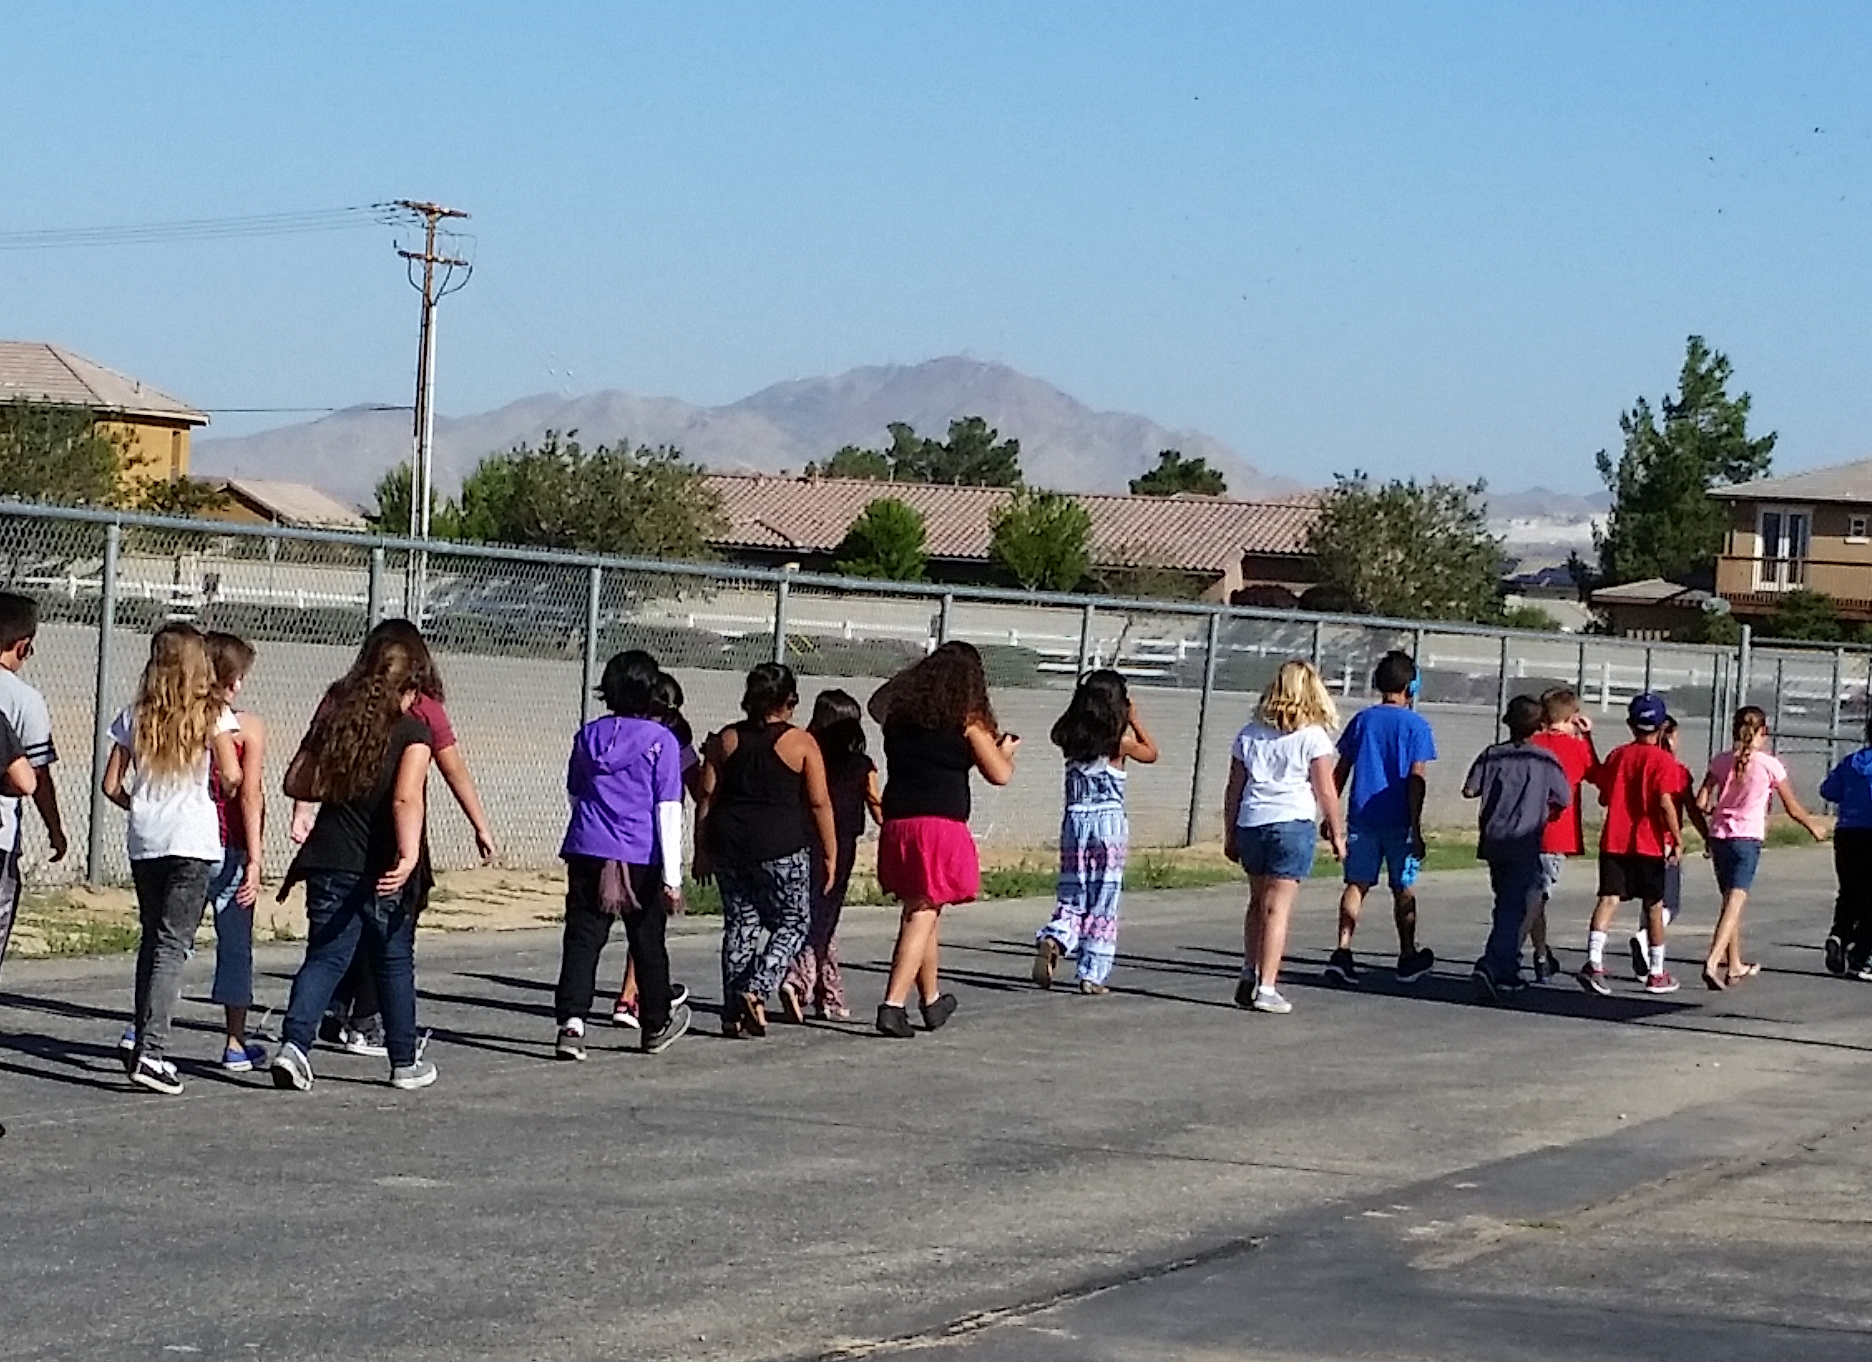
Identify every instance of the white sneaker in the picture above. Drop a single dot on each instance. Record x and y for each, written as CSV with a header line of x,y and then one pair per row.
x,y
1270,1000
408,1076
291,1068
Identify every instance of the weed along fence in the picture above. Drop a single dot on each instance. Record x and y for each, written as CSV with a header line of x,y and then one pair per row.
x,y
522,635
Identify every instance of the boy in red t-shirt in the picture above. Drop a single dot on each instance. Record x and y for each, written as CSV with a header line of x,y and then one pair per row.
x,y
1566,732
1639,785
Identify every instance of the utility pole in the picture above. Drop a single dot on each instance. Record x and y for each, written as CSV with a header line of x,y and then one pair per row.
x,y
422,462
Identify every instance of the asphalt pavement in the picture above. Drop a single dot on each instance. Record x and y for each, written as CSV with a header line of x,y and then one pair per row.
x,y
1395,1172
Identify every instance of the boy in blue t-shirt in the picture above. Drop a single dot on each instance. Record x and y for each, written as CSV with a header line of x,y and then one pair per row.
x,y
1384,752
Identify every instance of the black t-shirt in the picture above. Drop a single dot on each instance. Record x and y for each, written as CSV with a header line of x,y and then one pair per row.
x,y
359,837
929,772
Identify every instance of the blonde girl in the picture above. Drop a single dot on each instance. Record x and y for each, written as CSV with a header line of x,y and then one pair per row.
x,y
1736,794
165,745
1280,783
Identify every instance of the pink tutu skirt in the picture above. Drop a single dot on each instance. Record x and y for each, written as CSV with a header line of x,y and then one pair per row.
x,y
928,860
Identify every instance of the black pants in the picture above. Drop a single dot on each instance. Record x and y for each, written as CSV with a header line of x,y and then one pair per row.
x,y
1852,910
588,927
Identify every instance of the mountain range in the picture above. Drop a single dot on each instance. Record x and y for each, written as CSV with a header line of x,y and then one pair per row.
x,y
1065,444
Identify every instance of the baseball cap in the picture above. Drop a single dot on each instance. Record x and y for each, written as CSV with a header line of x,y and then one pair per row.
x,y
1647,712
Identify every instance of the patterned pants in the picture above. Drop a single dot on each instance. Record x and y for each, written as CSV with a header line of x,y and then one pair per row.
x,y
1091,879
770,896
815,974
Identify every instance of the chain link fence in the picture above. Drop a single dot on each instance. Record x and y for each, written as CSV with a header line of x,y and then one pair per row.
x,y
522,636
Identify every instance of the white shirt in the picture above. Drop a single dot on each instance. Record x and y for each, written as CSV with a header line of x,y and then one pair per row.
x,y
174,816
1280,777
25,709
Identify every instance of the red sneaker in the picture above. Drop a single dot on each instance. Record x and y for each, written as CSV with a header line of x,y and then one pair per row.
x,y
1593,979
1662,982
625,1014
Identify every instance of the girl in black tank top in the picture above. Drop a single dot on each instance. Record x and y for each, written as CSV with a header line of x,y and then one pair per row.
x,y
763,798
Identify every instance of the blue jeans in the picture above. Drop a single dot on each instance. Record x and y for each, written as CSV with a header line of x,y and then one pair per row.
x,y
1515,880
233,924
344,915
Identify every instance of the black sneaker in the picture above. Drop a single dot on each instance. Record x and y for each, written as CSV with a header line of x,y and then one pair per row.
x,y
673,1030
156,1074
894,1022
1640,967
1547,967
1835,956
331,1029
1341,970
1412,967
1245,988
938,1010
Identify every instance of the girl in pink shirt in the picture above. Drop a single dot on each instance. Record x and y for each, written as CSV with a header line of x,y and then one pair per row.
x,y
1736,794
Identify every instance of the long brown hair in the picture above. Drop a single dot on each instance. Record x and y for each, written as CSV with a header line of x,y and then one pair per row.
x,y
1750,723
176,707
350,735
947,691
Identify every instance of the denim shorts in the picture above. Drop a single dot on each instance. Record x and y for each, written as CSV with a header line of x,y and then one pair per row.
x,y
1551,864
1736,859
1281,850
1370,850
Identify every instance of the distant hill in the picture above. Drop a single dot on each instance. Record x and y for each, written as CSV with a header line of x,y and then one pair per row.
x,y
1064,443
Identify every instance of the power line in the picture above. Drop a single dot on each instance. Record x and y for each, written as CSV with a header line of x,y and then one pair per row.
x,y
207,229
353,406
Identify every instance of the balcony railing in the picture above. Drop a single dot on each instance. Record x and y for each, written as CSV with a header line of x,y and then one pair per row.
x,y
1844,581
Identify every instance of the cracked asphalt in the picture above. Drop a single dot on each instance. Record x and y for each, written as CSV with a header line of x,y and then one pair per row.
x,y
1393,1172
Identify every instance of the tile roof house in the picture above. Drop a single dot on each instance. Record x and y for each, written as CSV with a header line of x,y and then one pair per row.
x,y
156,425
1809,530
1222,546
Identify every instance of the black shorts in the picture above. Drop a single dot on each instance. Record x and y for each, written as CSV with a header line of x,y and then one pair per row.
x,y
1624,877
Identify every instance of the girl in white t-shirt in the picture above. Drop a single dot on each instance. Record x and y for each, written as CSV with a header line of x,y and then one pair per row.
x,y
1736,794
164,744
1280,782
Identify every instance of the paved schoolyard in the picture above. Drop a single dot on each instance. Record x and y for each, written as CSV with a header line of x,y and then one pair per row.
x,y
1389,1173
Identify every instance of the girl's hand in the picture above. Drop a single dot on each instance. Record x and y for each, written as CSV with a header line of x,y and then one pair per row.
x,y
1009,741
303,817
485,846
673,903
391,882
249,892
1582,723
1337,839
1817,831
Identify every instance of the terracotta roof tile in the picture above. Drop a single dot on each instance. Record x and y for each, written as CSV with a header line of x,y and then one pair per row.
x,y
1206,534
34,371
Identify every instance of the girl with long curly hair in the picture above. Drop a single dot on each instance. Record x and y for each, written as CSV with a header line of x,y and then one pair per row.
x,y
365,762
163,748
938,728
355,1025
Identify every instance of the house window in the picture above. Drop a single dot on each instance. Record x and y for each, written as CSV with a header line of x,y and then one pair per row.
x,y
1855,529
1783,537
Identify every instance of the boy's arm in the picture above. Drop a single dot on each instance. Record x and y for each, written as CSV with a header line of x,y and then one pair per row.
x,y
1415,788
1342,773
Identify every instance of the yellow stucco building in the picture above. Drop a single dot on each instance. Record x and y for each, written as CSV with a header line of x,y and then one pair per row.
x,y
155,427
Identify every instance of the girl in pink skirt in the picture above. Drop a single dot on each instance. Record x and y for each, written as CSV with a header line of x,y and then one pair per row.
x,y
938,727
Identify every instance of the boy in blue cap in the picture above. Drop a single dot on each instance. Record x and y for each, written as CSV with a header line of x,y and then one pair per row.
x,y
1384,752
1639,785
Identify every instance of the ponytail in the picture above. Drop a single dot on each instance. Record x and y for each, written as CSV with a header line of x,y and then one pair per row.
x,y
1750,724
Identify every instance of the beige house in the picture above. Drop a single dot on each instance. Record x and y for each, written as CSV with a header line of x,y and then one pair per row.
x,y
155,427
1808,530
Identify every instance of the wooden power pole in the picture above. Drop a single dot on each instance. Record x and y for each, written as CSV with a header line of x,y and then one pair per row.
x,y
433,288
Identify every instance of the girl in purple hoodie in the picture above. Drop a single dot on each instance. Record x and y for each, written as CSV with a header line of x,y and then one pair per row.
x,y
623,854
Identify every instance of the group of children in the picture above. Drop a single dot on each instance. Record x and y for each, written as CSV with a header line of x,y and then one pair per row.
x,y
780,809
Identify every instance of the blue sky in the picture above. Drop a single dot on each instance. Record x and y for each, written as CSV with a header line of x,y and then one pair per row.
x,y
1418,239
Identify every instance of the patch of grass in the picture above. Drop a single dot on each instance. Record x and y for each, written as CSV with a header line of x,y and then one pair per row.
x,y
88,936
1785,832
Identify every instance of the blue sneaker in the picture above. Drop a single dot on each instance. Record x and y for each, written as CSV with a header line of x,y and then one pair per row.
x,y
239,1059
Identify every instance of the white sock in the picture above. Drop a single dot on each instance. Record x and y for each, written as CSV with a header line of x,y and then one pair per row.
x,y
1595,948
575,1025
1656,954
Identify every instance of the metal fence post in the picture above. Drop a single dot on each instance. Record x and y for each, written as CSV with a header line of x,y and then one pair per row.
x,y
1745,660
1501,688
101,707
1581,690
1717,680
1416,648
1833,724
1647,669
1212,646
1319,643
1086,640
782,589
588,679
943,617
373,599
1780,681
